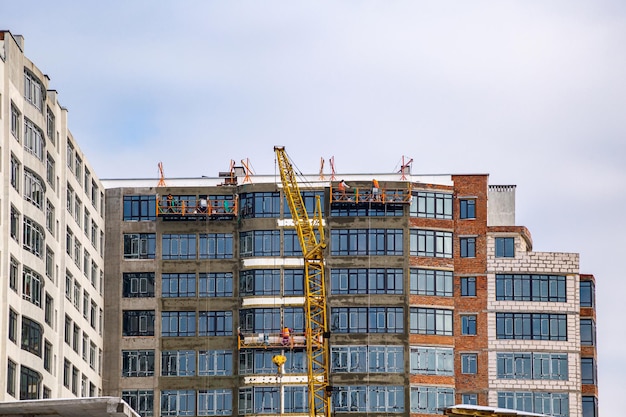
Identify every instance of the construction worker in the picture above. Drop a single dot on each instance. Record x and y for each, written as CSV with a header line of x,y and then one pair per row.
x,y
286,336
342,189
375,190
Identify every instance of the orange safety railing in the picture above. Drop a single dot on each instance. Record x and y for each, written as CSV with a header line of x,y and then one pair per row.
x,y
366,195
173,207
271,340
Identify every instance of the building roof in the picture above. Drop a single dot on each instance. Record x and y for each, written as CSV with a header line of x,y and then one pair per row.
x,y
466,410
68,407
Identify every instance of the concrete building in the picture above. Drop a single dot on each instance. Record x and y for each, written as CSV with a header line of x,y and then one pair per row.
x,y
51,246
435,298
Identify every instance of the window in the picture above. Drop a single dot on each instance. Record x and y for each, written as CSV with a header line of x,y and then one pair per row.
x,y
12,325
33,237
50,130
293,282
139,246
137,284
369,398
268,320
136,363
215,284
34,189
259,400
94,196
259,282
69,241
15,224
178,363
219,402
215,323
258,205
259,362
587,294
367,319
75,374
49,310
68,330
431,205
215,362
468,247
85,351
34,141
50,171
31,286
531,326
15,173
428,360
370,359
94,234
430,400
525,287
350,242
78,169
468,287
468,325
75,338
215,246
15,122
34,92
554,404
470,399
505,247
138,323
291,243
14,269
32,333
587,332
178,403
469,363
11,376
77,295
86,220
367,281
178,323
30,383
433,243
78,209
178,285
142,401
468,208
431,321
260,243
69,284
590,406
66,373
588,370
92,355
139,207
93,314
431,282
50,221
179,246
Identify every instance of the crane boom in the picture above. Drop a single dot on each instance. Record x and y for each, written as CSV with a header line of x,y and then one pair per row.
x,y
312,243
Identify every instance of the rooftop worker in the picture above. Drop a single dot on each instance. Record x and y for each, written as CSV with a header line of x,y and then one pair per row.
x,y
375,190
342,188
203,205
285,334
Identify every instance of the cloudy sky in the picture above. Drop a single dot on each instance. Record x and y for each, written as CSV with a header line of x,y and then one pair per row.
x,y
531,92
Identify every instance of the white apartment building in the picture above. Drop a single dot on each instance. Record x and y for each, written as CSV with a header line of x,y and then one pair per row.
x,y
51,246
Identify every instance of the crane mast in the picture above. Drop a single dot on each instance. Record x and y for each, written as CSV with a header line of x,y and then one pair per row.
x,y
312,241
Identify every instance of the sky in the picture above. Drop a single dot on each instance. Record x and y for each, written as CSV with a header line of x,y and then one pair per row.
x,y
531,92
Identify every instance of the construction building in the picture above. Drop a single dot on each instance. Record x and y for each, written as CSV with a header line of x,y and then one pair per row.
x,y
434,298
52,242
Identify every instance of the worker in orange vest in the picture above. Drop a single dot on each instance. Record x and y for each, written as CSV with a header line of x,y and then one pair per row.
x,y
342,188
286,335
375,190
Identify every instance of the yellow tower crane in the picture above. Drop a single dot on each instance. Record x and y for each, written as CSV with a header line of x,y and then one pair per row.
x,y
312,241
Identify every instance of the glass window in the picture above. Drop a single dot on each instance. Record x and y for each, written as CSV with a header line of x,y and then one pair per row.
x,y
468,247
590,406
178,363
432,243
137,284
367,319
215,284
142,401
587,332
11,377
34,142
588,370
260,205
531,326
468,208
293,282
215,323
470,399
367,281
216,402
32,284
178,323
178,285
50,171
34,189
469,363
428,360
15,224
350,242
12,325
296,399
555,404
139,207
136,363
368,398
431,282
431,205
587,294
34,92
371,359
215,362
139,245
468,325
15,172
215,246
259,282
30,383
468,287
138,323
179,246
526,287
505,247
178,402
15,122
33,238
32,333
430,400
431,321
